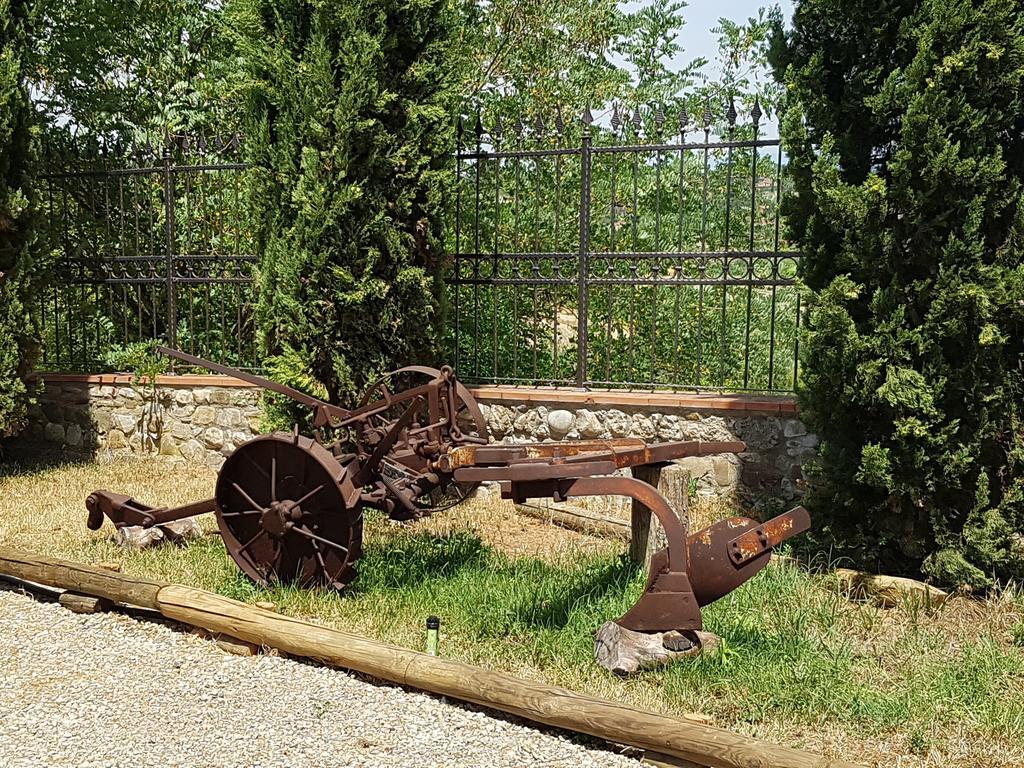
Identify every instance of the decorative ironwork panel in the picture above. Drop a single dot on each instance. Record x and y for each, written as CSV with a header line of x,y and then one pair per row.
x,y
149,242
627,253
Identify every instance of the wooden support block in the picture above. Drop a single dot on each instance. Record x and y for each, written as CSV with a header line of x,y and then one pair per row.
x,y
661,760
648,536
237,647
79,603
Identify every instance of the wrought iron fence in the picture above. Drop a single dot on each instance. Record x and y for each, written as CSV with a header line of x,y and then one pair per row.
x,y
147,243
628,255
622,255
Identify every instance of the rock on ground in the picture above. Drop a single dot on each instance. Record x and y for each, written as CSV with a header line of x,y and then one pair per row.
x,y
110,690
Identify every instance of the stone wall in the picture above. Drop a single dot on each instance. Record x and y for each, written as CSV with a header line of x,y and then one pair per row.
x,y
110,417
200,420
778,443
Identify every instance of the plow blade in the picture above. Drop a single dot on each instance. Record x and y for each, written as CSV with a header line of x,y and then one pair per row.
x,y
720,558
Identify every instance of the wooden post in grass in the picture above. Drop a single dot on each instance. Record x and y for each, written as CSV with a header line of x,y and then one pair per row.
x,y
618,723
648,536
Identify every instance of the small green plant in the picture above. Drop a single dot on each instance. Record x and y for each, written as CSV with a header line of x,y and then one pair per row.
x,y
1018,634
140,359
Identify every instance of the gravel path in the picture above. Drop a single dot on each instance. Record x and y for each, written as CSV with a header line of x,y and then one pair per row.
x,y
111,690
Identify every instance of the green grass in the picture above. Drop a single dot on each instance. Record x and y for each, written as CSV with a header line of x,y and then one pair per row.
x,y
800,663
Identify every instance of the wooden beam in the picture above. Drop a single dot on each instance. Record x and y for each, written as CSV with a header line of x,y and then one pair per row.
x,y
577,520
83,579
616,722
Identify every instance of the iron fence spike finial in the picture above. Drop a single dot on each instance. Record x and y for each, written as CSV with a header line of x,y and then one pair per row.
x,y
587,117
459,127
755,113
559,122
730,114
637,120
518,126
708,117
684,119
478,128
202,143
659,116
616,121
497,131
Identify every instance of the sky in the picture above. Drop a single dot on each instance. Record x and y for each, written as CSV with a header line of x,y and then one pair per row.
x,y
703,15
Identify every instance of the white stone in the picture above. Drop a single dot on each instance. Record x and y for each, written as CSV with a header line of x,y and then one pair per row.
x,y
183,530
500,420
618,423
73,435
183,397
561,422
725,472
181,430
230,417
643,427
794,428
532,423
624,652
667,426
588,424
213,437
204,415
54,432
220,397
137,537
193,451
116,439
201,396
124,422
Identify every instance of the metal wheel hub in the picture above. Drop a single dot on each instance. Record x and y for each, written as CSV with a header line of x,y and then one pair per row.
x,y
287,512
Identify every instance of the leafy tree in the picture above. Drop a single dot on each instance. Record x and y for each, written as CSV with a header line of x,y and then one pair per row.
x,y
350,127
906,135
17,276
127,66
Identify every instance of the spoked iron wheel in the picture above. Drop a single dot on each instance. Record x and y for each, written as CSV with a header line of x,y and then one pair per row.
x,y
469,422
282,513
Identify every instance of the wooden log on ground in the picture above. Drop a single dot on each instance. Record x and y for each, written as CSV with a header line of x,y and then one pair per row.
x,y
79,603
80,578
558,707
577,520
890,591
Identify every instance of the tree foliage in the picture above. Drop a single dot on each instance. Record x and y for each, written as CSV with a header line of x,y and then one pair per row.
x,y
906,136
17,340
350,127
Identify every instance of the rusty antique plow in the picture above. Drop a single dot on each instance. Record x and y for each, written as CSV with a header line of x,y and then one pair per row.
x,y
290,507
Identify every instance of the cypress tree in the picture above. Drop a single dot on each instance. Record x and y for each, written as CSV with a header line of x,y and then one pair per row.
x,y
18,342
905,131
350,108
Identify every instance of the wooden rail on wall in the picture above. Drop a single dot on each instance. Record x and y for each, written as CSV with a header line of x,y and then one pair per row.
x,y
700,744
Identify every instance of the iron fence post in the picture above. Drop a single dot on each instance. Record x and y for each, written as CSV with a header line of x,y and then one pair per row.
x,y
172,309
582,299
